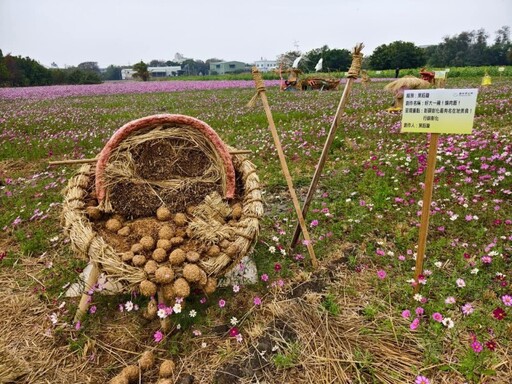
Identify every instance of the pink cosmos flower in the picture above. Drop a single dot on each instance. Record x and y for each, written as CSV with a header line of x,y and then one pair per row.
x,y
421,380
467,309
92,310
222,303
406,314
437,317
257,301
477,346
414,325
419,311
507,300
381,274
158,336
460,283
264,277
314,223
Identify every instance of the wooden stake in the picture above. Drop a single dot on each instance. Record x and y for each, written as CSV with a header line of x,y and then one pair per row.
x,y
91,280
260,86
330,138
425,212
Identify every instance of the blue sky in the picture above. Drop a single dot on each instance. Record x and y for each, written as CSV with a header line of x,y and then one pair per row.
x,y
69,32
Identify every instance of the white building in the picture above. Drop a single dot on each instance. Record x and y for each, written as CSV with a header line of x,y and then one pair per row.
x,y
265,65
127,73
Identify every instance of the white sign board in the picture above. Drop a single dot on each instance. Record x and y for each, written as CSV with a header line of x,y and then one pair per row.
x,y
439,110
501,69
440,75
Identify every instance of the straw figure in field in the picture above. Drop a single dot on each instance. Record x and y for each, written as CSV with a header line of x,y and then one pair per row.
x,y
167,209
427,75
398,87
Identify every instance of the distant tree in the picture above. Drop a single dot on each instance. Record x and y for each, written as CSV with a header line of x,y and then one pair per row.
x,y
89,66
337,60
312,57
141,71
195,67
397,54
471,49
112,73
170,63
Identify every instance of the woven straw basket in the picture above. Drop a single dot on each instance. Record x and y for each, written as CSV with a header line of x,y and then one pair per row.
x,y
215,194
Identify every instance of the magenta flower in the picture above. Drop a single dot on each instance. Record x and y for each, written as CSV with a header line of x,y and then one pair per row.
x,y
233,332
406,314
477,346
414,325
78,325
222,303
437,317
467,309
158,336
314,223
264,277
257,301
381,274
419,311
92,310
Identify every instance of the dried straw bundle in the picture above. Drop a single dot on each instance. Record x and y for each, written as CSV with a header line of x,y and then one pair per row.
x,y
406,82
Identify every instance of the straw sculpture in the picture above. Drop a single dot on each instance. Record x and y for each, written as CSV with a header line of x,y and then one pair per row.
x,y
398,87
164,224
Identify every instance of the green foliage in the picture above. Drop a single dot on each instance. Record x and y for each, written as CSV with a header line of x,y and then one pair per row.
x,y
399,54
330,305
288,358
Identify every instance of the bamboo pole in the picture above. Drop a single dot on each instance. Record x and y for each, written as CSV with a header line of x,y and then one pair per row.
x,y
425,211
87,161
352,76
260,86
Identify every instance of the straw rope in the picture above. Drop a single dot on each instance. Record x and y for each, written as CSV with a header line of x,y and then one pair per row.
x,y
357,59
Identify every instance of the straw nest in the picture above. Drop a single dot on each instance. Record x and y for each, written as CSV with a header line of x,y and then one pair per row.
x,y
182,243
406,82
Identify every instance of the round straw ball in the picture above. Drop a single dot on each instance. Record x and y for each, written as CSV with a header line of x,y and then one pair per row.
x,y
177,257
137,248
159,254
166,232
127,256
147,360
148,243
204,278
232,250
180,219
192,273
181,287
164,275
113,225
211,285
131,372
193,257
181,232
147,288
213,251
177,240
150,267
168,292
191,209
119,379
236,211
139,260
151,310
164,244
93,213
125,231
163,213
167,368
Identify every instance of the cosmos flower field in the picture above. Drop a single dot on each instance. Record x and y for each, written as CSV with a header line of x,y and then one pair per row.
x,y
366,212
